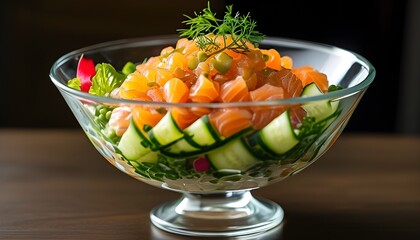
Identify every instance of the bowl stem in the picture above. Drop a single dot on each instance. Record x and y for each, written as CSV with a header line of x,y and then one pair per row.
x,y
222,214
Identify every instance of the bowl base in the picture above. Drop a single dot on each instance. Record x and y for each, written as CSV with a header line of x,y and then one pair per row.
x,y
217,215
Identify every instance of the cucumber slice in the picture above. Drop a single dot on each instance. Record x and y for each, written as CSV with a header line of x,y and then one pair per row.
x,y
198,139
133,144
165,132
278,135
201,133
181,148
320,110
233,155
150,157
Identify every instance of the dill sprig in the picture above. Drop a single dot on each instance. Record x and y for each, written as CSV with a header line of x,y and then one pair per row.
x,y
206,29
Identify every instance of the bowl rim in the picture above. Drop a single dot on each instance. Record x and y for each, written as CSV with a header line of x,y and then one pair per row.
x,y
154,40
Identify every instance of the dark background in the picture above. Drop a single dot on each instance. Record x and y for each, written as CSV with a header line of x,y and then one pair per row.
x,y
35,33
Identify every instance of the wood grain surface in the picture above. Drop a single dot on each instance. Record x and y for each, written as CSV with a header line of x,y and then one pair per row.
x,y
54,185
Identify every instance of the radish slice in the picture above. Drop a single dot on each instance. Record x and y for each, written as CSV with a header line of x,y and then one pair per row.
x,y
85,72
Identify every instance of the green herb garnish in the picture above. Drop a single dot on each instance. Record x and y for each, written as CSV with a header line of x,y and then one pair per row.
x,y
206,29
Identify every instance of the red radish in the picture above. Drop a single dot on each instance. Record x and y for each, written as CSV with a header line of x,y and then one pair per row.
x,y
201,164
85,72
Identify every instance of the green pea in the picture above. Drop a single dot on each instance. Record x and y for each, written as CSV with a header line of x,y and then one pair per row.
x,y
193,63
222,62
108,115
128,68
101,117
202,56
103,111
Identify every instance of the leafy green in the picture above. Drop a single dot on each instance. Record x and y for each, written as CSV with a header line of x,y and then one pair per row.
x,y
205,29
74,83
106,79
309,127
165,167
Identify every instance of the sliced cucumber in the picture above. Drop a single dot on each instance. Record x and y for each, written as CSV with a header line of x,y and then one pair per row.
x,y
233,155
278,136
201,133
150,157
225,173
180,149
320,110
165,132
133,144
198,139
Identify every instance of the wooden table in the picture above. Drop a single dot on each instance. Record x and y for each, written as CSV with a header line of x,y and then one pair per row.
x,y
54,185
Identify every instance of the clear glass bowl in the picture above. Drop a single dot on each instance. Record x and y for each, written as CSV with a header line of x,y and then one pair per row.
x,y
216,198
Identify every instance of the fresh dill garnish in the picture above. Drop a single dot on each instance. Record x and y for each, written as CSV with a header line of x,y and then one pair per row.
x,y
206,29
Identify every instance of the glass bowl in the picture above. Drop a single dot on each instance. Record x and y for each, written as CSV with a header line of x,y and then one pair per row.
x,y
215,174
